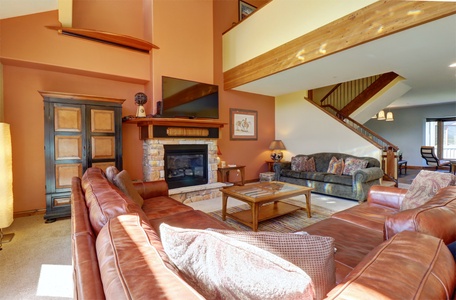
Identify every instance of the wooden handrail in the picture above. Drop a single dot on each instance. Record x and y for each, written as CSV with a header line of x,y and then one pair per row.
x,y
343,117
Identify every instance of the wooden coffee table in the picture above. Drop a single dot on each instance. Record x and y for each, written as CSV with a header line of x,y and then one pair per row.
x,y
257,195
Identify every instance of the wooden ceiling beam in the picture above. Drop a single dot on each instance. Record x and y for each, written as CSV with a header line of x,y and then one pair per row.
x,y
372,22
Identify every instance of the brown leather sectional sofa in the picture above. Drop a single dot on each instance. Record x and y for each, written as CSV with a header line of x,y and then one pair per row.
x,y
117,252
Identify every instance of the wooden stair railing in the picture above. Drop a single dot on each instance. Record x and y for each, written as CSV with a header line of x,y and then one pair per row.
x,y
389,156
368,93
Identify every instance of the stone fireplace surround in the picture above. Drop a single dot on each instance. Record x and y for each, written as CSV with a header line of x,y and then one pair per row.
x,y
153,168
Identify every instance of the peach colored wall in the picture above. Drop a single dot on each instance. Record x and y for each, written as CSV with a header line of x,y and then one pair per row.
x,y
189,36
252,154
27,39
120,16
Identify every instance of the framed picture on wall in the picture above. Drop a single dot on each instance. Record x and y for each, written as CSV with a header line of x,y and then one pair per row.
x,y
243,124
245,9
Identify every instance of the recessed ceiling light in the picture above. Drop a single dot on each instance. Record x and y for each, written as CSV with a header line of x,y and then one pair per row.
x,y
453,65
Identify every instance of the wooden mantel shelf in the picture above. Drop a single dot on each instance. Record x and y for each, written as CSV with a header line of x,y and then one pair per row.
x,y
150,128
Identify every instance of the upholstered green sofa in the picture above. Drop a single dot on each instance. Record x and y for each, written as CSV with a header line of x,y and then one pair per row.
x,y
355,186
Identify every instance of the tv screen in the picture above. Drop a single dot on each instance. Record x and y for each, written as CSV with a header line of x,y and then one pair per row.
x,y
189,99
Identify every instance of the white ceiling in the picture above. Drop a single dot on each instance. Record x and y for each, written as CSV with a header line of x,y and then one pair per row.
x,y
421,55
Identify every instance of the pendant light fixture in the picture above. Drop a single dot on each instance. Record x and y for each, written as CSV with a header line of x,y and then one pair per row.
x,y
381,115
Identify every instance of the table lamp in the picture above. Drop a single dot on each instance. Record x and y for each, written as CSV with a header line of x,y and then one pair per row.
x,y
276,146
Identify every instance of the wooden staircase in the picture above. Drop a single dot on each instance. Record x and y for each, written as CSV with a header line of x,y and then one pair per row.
x,y
344,98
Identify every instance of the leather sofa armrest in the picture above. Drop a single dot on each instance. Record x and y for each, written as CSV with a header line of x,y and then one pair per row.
x,y
367,174
150,189
386,196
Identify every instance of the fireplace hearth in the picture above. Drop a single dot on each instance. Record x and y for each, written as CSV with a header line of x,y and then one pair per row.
x,y
186,165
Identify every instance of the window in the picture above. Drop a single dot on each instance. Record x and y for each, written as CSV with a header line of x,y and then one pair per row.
x,y
441,133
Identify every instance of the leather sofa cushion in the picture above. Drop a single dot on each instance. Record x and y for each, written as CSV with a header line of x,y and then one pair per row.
x,y
195,219
409,266
232,269
437,217
104,201
131,267
367,214
162,206
352,242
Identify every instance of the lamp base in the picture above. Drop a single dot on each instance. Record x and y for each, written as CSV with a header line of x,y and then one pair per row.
x,y
7,238
276,156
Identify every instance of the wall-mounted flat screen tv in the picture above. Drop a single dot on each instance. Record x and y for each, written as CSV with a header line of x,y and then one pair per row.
x,y
189,99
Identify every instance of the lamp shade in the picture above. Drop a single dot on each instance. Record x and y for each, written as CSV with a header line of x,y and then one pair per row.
x,y
6,175
277,145
389,117
381,115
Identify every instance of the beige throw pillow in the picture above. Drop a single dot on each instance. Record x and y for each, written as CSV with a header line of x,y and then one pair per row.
x,y
313,254
220,267
124,183
336,166
111,172
425,185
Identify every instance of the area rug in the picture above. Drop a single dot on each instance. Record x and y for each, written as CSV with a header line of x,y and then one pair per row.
x,y
292,222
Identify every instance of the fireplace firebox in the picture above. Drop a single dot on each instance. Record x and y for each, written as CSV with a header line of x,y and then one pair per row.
x,y
186,165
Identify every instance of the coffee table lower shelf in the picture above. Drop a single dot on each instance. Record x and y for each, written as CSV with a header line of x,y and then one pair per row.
x,y
266,212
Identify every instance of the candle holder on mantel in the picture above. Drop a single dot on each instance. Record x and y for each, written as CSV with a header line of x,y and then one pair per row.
x,y
140,100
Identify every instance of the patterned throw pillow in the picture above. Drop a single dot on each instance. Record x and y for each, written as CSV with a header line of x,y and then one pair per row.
x,y
309,165
220,267
425,185
298,163
354,164
303,164
313,254
336,166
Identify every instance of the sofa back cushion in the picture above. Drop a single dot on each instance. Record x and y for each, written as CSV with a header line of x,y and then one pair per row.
x,y
132,265
424,186
232,269
437,217
104,201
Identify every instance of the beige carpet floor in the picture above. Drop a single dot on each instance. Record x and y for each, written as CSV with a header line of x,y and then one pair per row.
x,y
36,264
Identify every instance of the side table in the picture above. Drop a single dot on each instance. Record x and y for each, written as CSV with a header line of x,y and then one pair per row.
x,y
225,173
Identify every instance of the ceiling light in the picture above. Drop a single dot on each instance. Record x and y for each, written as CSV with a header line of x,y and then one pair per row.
x,y
389,117
453,65
381,115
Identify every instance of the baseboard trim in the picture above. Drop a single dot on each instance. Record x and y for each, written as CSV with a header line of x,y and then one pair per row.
x,y
28,213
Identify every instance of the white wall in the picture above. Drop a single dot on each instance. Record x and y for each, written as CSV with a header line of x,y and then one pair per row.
x,y
281,21
305,129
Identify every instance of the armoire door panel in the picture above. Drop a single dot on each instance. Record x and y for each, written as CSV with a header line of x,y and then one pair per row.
x,y
64,174
103,147
68,147
102,121
67,119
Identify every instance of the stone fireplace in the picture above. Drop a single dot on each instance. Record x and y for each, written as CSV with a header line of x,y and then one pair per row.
x,y
154,168
156,133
